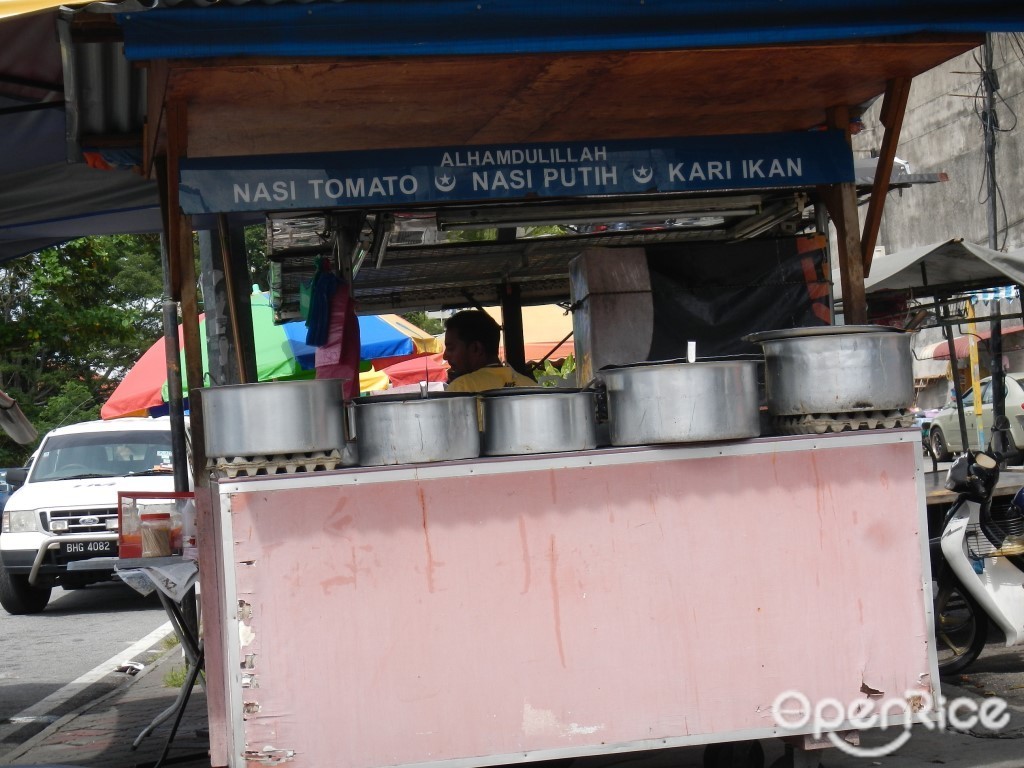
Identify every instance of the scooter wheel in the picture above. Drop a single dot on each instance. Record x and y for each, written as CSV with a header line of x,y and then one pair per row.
x,y
961,627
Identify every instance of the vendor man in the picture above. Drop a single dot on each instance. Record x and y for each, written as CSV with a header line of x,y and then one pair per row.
x,y
471,349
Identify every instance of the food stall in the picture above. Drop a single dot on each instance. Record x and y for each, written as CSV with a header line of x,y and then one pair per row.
x,y
482,596
530,608
660,585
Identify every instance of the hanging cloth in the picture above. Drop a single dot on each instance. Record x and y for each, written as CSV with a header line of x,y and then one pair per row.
x,y
338,356
325,284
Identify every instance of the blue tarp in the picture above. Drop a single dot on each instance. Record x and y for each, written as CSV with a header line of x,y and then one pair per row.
x,y
432,27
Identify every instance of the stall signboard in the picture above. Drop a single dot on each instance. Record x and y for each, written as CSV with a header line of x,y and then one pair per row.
x,y
513,172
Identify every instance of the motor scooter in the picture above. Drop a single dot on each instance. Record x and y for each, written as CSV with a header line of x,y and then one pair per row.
x,y
977,565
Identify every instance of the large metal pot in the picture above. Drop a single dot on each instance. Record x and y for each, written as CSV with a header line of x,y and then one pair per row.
x,y
404,429
273,418
678,402
522,420
837,369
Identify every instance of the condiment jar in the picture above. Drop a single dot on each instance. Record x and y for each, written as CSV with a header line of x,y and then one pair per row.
x,y
156,534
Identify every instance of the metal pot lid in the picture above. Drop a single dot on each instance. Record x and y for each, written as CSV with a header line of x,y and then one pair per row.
x,y
646,364
513,391
683,361
818,330
265,386
408,397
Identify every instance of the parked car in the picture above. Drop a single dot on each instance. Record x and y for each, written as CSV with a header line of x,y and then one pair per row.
x,y
944,432
60,527
923,421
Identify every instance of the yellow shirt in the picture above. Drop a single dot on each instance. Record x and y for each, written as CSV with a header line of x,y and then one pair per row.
x,y
490,377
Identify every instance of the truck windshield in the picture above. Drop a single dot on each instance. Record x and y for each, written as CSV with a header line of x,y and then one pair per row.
x,y
104,454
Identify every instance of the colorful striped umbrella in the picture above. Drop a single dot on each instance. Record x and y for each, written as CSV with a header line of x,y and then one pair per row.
x,y
281,354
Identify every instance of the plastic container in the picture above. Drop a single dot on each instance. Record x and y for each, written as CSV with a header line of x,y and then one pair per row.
x,y
156,534
129,535
189,537
158,516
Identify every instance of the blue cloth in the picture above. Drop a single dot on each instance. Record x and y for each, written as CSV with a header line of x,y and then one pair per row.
x,y
319,322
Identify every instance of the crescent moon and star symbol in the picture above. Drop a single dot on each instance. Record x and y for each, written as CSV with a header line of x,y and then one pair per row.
x,y
643,174
444,183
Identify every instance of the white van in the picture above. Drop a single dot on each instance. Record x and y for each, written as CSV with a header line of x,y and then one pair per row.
x,y
65,513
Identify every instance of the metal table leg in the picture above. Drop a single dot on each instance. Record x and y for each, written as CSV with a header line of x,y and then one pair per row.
x,y
193,650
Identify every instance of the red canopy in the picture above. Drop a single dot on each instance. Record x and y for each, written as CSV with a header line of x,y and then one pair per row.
x,y
427,368
940,350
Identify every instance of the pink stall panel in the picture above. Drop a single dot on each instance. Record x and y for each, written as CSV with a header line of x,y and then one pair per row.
x,y
541,610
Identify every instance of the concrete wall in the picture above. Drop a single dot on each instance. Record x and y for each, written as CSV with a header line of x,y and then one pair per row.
x,y
942,132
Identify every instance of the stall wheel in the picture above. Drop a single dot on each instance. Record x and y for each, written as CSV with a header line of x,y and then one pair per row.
x,y
734,754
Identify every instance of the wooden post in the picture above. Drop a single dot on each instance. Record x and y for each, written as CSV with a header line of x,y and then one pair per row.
x,y
841,201
894,106
183,285
234,261
512,326
182,261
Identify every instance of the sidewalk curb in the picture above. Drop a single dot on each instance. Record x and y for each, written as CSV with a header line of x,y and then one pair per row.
x,y
21,749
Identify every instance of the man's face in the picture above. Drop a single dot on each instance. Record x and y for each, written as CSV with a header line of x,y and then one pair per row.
x,y
461,357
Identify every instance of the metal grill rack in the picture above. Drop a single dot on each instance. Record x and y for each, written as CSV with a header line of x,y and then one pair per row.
x,y
979,545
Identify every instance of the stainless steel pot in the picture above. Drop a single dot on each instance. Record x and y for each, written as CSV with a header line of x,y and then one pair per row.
x,y
402,429
676,402
273,418
837,369
523,420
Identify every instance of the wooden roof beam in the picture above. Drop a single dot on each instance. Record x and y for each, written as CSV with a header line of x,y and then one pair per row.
x,y
894,106
154,140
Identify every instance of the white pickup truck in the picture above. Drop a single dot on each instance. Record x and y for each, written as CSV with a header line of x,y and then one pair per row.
x,y
60,527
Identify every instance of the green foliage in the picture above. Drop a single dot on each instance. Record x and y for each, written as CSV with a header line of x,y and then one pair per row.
x,y
170,642
72,403
471,235
549,370
432,325
548,230
256,248
73,319
175,677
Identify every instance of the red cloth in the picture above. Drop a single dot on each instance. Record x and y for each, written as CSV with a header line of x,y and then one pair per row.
x,y
338,358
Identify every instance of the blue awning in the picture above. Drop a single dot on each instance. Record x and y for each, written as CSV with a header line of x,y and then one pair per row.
x,y
429,27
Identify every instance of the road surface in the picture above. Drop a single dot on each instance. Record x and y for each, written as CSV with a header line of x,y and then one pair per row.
x,y
54,661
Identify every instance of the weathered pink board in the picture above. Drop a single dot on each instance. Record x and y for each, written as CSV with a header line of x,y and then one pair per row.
x,y
487,612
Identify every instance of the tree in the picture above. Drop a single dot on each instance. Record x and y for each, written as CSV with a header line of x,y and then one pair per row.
x,y
256,250
432,325
73,319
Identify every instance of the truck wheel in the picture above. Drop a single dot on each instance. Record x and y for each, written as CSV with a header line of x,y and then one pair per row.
x,y
19,597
